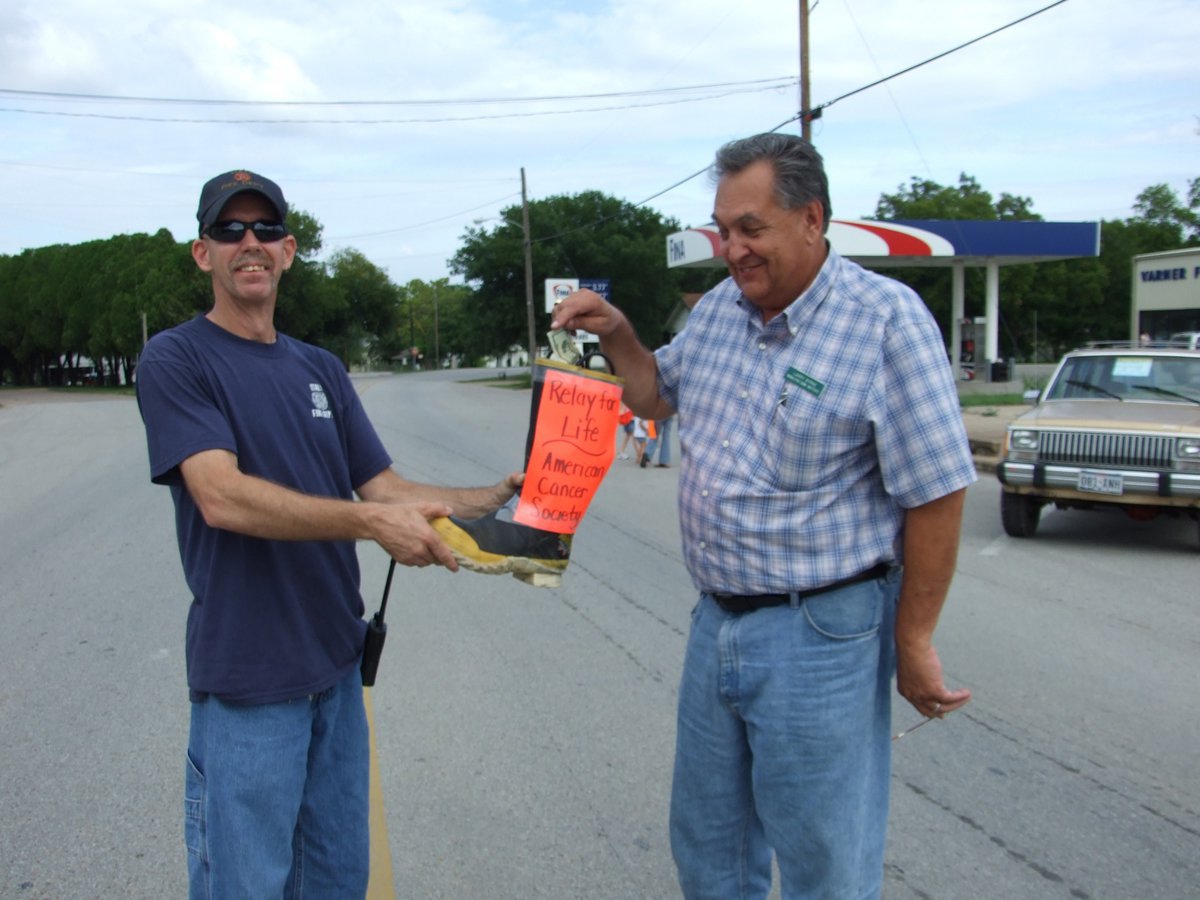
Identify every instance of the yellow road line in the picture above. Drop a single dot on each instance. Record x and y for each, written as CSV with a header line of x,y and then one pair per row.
x,y
382,886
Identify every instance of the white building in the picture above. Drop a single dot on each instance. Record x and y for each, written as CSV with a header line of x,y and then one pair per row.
x,y
1166,294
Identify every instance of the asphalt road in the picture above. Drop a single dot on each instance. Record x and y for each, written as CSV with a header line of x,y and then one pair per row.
x,y
525,735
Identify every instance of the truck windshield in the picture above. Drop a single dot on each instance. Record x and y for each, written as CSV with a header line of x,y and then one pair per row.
x,y
1143,377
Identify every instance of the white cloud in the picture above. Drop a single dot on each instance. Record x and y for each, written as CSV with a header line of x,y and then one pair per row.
x,y
1078,108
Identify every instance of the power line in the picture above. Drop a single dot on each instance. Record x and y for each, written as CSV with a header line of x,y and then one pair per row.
x,y
736,86
684,181
726,88
463,212
182,120
815,112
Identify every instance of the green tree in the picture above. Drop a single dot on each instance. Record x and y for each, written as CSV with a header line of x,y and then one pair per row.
x,y
434,319
1161,221
308,232
62,303
925,199
310,307
452,308
588,235
1160,207
368,312
1063,303
1089,299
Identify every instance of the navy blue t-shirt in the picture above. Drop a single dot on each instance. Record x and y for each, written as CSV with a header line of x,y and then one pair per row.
x,y
270,620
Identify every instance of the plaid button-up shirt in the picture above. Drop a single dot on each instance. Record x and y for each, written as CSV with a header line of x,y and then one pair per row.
x,y
804,440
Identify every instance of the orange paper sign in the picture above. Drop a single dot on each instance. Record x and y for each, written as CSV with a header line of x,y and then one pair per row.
x,y
573,447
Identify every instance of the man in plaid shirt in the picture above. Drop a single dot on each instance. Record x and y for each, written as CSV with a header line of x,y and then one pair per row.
x,y
823,473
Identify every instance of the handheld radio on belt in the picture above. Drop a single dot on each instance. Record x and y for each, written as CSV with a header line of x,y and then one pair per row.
x,y
376,633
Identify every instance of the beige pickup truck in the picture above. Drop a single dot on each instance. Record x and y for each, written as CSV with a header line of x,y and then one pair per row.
x,y
1117,427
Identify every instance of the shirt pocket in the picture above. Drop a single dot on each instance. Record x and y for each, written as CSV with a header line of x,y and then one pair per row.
x,y
810,440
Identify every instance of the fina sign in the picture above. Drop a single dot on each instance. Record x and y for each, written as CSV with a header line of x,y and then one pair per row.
x,y
558,289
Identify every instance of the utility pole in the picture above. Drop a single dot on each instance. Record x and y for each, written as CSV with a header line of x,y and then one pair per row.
x,y
528,272
805,118
437,347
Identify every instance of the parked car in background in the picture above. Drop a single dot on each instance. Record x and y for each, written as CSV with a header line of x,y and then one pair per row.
x,y
1117,427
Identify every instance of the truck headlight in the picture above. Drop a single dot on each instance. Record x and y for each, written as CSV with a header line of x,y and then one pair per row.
x,y
1022,444
1187,452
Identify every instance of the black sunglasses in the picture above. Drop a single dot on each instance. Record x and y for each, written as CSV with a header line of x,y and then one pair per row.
x,y
232,232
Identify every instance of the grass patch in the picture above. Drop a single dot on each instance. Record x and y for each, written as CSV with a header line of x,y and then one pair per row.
x,y
965,400
90,390
512,383
119,390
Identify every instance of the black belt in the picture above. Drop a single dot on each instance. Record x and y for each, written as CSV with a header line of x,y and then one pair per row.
x,y
744,603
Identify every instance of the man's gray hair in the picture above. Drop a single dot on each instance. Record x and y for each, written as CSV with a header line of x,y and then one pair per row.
x,y
799,170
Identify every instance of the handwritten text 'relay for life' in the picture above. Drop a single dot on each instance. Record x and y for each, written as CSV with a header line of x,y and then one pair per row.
x,y
573,447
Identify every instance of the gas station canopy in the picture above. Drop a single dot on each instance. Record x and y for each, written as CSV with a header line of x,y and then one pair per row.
x,y
929,242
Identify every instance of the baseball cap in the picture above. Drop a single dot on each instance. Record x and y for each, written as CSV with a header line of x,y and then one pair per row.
x,y
217,191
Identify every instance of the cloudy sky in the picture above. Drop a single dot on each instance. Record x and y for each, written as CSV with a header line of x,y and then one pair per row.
x,y
400,124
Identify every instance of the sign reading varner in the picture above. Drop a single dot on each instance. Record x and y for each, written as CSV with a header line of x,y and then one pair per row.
x,y
1179,273
1166,293
1169,280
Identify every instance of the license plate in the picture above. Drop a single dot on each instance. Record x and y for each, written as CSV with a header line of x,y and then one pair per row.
x,y
1100,483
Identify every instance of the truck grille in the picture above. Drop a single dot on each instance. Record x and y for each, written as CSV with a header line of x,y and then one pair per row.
x,y
1098,449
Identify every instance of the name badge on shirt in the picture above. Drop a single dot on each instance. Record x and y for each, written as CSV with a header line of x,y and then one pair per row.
x,y
804,382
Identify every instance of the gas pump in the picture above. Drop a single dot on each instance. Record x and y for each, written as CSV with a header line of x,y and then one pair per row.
x,y
968,360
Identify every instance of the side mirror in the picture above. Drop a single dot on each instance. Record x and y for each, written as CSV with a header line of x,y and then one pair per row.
x,y
1031,396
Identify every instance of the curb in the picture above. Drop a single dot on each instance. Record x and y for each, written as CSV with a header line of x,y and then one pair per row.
x,y
986,454
986,465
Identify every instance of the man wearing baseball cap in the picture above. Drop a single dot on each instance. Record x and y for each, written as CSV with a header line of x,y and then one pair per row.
x,y
264,444
220,190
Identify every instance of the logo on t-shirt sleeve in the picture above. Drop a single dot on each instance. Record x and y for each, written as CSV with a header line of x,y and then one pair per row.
x,y
320,402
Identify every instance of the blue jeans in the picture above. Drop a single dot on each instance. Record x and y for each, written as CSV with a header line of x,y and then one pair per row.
x,y
276,797
784,744
664,441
